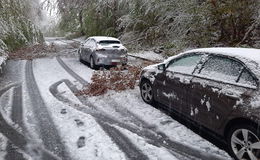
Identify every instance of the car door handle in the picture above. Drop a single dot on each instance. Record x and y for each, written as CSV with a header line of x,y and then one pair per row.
x,y
229,93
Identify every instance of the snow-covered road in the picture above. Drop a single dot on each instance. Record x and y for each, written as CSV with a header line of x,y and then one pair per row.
x,y
41,117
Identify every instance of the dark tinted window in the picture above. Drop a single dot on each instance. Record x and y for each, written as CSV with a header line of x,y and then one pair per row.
x,y
104,43
247,78
222,68
185,64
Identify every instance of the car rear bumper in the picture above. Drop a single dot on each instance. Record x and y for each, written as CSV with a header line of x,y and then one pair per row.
x,y
111,62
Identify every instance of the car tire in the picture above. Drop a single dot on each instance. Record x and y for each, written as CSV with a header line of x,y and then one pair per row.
x,y
147,91
80,58
92,63
244,142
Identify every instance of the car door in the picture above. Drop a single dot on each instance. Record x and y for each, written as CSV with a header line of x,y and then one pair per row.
x,y
84,49
91,48
173,84
217,89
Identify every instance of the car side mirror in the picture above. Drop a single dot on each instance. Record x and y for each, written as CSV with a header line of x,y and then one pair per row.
x,y
162,67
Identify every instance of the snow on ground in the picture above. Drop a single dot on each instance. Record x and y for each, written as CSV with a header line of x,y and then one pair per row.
x,y
58,41
80,39
3,145
2,61
149,55
153,152
132,101
98,144
81,69
6,102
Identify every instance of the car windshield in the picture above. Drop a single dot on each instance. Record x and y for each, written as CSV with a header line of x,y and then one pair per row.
x,y
108,42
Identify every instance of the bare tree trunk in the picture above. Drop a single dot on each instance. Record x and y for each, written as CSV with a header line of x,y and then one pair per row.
x,y
81,22
250,30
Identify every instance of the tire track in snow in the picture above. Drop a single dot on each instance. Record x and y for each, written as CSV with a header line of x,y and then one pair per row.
x,y
71,72
17,118
122,141
158,139
48,132
18,139
148,130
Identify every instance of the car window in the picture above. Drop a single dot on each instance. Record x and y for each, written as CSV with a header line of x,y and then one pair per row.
x,y
221,68
86,44
92,43
247,78
185,64
108,42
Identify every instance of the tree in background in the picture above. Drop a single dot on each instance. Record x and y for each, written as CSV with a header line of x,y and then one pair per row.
x,y
174,24
17,27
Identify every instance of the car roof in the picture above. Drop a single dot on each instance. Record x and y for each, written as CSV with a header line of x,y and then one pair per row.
x,y
243,54
103,38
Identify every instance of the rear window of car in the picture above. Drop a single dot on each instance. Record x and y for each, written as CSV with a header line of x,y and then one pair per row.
x,y
247,78
222,68
108,42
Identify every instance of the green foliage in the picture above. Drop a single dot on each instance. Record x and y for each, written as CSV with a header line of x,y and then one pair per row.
x,y
178,24
16,30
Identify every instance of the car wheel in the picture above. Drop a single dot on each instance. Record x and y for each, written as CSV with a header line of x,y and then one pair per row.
x,y
146,91
92,63
244,142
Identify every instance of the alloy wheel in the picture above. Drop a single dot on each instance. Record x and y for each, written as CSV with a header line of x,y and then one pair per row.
x,y
245,145
146,91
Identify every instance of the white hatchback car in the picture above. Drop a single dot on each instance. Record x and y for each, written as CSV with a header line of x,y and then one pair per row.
x,y
103,51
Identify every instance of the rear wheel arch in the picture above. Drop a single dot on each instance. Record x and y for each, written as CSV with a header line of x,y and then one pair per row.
x,y
144,79
237,121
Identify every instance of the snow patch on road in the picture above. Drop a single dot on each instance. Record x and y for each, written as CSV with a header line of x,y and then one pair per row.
x,y
3,145
153,152
81,69
132,101
98,144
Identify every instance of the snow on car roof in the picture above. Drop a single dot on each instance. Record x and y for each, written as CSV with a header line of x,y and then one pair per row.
x,y
104,38
240,53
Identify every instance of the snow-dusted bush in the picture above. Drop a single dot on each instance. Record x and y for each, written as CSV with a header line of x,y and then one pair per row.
x,y
16,27
169,23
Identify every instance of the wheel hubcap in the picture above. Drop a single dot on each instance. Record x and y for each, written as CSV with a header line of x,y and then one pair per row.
x,y
245,145
147,92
